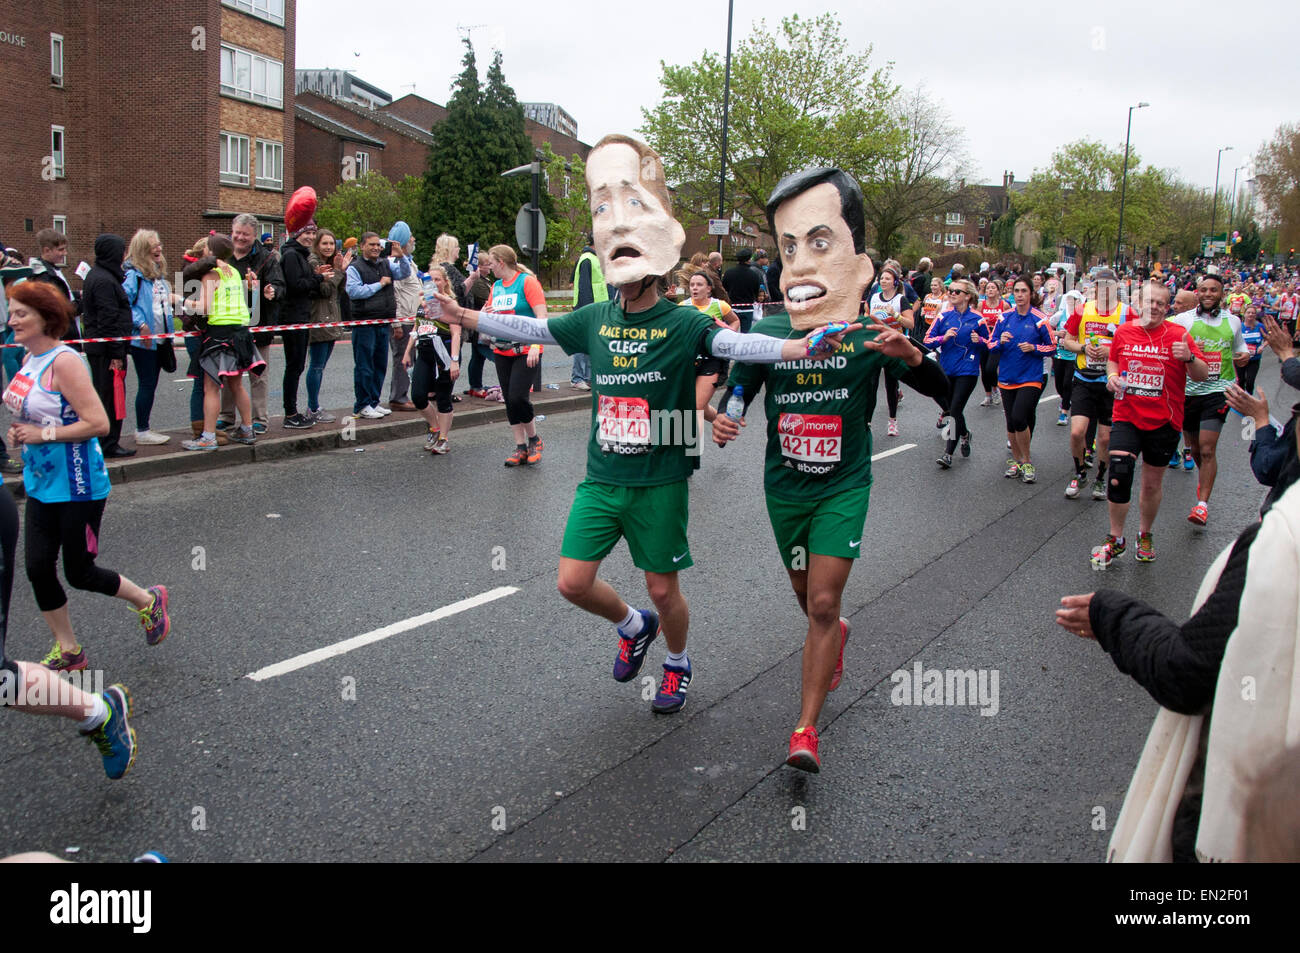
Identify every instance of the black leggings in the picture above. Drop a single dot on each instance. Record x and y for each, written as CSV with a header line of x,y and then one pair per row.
x,y
1247,374
428,376
1063,373
516,379
8,547
989,369
1020,405
959,391
891,394
295,359
74,527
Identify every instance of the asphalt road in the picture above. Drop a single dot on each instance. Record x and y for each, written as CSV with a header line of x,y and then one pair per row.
x,y
497,733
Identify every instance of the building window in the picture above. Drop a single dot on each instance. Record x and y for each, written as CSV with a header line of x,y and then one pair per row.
x,y
270,165
270,10
981,221
60,224
234,159
246,75
955,218
56,59
936,238
363,163
56,151
953,238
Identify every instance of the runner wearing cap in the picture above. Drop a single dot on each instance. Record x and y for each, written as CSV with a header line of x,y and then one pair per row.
x,y
1088,334
1218,334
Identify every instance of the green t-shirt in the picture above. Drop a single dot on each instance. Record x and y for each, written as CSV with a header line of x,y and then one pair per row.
x,y
818,414
1219,337
644,429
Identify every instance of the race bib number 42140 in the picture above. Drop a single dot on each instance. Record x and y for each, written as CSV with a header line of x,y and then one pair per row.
x,y
624,421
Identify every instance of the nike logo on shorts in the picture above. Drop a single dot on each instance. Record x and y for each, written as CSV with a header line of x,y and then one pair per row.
x,y
855,545
678,559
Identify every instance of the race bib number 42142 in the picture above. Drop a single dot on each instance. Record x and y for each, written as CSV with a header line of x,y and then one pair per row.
x,y
811,438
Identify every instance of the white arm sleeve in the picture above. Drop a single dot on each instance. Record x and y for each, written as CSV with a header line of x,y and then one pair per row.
x,y
746,348
515,327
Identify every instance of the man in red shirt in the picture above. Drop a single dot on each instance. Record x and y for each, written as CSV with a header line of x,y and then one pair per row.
x,y
1147,371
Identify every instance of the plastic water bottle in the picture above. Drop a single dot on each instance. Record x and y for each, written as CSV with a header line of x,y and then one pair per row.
x,y
736,404
1123,383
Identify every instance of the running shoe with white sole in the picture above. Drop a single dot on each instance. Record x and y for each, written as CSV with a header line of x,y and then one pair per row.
x,y
381,410
997,398
321,416
1099,489
150,438
1012,471
945,461
1072,491
987,401
1146,549
1062,419
199,444
369,413
632,648
1188,462
803,750
431,439
892,430
1200,514
1109,550
1027,473
442,446
672,689
115,738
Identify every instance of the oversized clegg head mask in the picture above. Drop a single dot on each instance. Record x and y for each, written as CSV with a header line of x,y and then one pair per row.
x,y
817,219
632,220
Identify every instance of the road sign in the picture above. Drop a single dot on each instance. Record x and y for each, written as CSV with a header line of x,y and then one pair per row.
x,y
524,229
719,226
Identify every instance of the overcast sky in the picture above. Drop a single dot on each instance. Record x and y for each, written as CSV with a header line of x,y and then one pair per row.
x,y
1021,76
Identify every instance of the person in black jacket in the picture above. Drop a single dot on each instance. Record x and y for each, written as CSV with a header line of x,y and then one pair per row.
x,y
302,284
1177,664
108,314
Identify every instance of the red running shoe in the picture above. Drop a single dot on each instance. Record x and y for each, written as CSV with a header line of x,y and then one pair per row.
x,y
1200,514
803,750
839,665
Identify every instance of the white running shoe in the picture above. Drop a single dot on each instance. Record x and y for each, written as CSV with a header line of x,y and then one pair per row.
x,y
380,409
369,413
150,438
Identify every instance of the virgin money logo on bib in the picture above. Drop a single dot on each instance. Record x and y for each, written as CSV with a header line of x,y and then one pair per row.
x,y
791,423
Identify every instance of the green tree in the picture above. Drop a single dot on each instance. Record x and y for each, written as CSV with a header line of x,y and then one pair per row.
x,y
800,96
481,137
370,203
1076,199
569,219
1277,177
924,176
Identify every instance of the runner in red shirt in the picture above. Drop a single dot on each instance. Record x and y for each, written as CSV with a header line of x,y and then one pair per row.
x,y
990,310
1147,371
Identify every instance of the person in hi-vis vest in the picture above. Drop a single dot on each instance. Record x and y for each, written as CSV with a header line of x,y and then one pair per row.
x,y
588,287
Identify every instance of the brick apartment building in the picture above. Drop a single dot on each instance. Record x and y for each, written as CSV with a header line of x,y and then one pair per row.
x,y
338,135
176,122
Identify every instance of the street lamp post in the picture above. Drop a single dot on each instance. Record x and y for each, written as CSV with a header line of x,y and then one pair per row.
x,y
1119,239
1232,204
726,103
1214,213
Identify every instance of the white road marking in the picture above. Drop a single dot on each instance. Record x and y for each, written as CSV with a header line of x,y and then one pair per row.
x,y
890,453
378,635
1049,397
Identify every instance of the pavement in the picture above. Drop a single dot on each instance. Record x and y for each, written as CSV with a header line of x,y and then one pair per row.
x,y
369,661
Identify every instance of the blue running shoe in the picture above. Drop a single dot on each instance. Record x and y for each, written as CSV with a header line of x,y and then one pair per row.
x,y
1176,461
115,738
672,690
631,649
1188,462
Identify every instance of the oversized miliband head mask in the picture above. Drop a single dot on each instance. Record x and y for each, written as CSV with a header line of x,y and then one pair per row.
x,y
820,230
632,220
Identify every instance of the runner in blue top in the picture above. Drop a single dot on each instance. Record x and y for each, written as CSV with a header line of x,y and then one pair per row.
x,y
57,417
961,336
1022,338
1253,332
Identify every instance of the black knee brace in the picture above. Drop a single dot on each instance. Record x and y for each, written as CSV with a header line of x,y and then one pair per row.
x,y
1119,488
